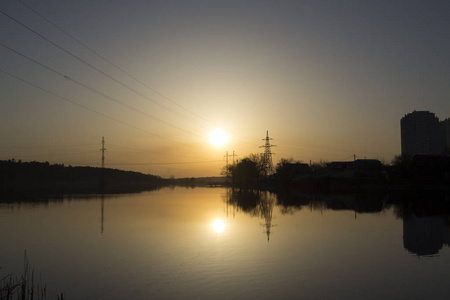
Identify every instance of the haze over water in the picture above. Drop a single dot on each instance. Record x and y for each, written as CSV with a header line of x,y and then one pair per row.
x,y
208,243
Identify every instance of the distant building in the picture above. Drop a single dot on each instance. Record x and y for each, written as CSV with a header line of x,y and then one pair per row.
x,y
368,168
420,134
358,168
340,166
444,128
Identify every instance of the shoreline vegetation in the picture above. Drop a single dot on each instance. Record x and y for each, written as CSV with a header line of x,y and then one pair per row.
x,y
422,172
35,179
17,177
25,287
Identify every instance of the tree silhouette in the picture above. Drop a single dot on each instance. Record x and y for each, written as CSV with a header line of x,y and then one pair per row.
x,y
248,170
288,168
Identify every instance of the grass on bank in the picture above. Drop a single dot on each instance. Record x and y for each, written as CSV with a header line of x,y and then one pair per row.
x,y
24,287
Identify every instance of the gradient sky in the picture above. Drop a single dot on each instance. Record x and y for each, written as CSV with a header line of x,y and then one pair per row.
x,y
327,79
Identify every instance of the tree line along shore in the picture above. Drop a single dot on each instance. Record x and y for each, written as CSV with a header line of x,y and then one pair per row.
x,y
42,177
423,171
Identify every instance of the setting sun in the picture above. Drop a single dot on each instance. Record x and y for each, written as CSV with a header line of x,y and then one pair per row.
x,y
218,225
218,138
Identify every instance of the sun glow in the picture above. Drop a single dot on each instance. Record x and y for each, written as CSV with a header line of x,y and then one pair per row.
x,y
218,225
218,138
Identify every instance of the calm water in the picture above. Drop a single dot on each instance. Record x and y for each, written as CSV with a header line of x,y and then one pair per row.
x,y
211,243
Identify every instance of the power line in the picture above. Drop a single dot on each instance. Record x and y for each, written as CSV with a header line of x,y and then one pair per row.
x,y
81,163
100,71
167,163
49,146
94,90
55,154
95,68
321,149
146,152
91,110
87,108
107,60
84,107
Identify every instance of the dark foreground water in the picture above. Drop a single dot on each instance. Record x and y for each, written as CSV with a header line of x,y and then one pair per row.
x,y
215,244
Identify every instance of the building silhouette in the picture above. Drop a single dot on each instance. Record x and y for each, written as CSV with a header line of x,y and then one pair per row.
x,y
420,134
444,128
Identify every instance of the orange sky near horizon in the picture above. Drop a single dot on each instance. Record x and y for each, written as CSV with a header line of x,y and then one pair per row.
x,y
327,80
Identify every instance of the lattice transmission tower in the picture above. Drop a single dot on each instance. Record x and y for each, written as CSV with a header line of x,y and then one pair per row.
x,y
103,152
267,155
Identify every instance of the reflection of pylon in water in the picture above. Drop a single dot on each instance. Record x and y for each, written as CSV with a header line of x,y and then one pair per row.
x,y
266,207
267,155
255,203
102,218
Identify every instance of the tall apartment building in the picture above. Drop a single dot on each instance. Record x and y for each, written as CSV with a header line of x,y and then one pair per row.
x,y
420,134
444,127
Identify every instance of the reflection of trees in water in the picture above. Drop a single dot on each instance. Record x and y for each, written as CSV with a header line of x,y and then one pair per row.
x,y
359,203
422,204
254,203
45,199
260,204
425,215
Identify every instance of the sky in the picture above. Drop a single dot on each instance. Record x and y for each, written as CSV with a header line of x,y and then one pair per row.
x,y
326,79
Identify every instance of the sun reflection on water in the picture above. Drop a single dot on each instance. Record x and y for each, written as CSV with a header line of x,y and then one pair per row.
x,y
218,225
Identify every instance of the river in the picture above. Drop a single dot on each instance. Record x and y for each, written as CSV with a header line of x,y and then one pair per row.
x,y
215,243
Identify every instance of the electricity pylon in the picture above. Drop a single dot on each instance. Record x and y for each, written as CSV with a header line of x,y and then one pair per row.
x,y
103,152
267,155
226,156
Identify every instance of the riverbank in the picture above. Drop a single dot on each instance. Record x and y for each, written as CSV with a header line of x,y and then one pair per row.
x,y
44,178
350,184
